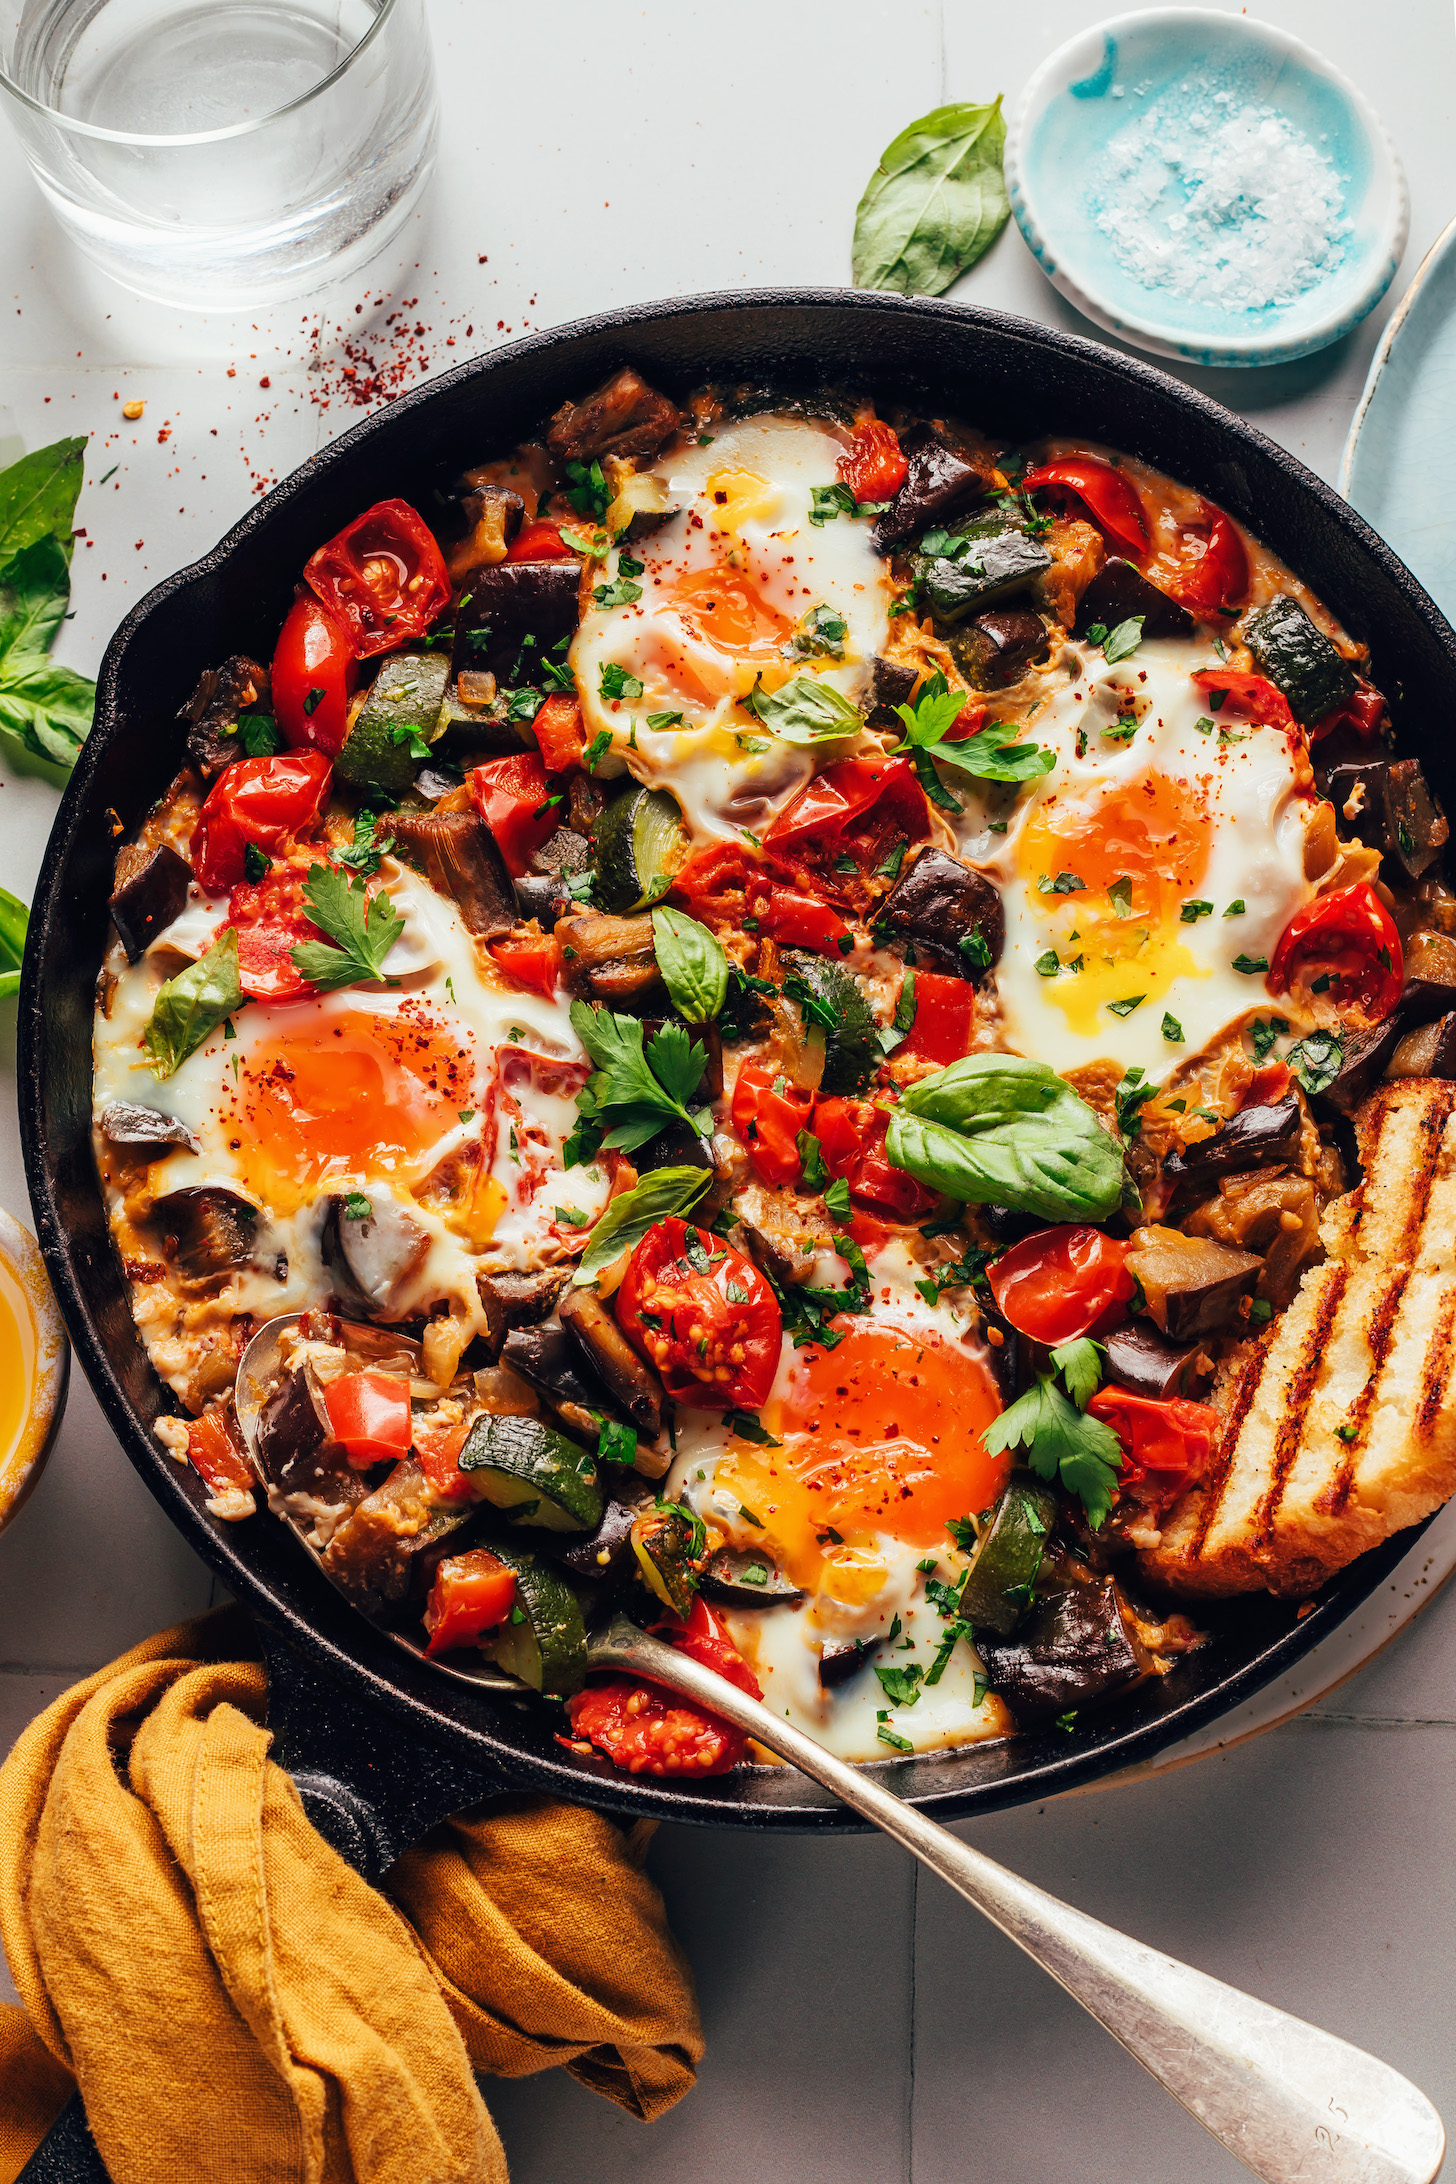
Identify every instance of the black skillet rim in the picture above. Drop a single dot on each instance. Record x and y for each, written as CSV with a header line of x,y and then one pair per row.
x,y
353,1653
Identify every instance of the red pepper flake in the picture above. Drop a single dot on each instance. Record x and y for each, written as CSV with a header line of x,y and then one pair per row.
x,y
265,381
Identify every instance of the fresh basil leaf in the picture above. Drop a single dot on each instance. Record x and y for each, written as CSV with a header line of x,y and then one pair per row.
x,y
990,757
996,1129
38,497
836,1198
811,1159
666,1191
14,919
189,1008
827,503
692,964
619,593
806,710
45,707
935,203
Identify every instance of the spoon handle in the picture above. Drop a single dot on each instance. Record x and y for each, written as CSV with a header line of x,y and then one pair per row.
x,y
1294,2104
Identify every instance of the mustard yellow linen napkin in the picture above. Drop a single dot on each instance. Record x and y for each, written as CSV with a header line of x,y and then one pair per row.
x,y
238,2007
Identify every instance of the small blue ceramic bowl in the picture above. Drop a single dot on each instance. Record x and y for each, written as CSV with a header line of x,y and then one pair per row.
x,y
1197,114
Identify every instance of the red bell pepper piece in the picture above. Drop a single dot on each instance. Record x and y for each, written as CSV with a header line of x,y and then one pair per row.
x,y
369,1416
769,1122
472,1593
851,1136
516,803
1106,496
800,920
530,961
945,1014
1245,697
539,541
1213,570
560,734
215,1452
1363,711
859,807
1165,1446
1351,938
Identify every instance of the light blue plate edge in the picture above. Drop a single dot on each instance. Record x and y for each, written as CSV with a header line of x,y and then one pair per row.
x,y
1165,341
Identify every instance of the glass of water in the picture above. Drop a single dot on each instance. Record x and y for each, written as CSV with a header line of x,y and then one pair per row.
x,y
223,154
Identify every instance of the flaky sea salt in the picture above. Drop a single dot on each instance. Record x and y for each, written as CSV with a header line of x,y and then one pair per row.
x,y
1220,200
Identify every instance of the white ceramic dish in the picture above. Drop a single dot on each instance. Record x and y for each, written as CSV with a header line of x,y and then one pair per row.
x,y
1100,81
1399,466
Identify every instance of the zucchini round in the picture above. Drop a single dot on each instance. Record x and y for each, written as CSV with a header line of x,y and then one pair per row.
x,y
546,1648
640,845
533,1474
997,1591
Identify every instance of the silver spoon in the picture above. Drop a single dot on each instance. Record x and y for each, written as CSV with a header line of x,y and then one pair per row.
x,y
1294,2104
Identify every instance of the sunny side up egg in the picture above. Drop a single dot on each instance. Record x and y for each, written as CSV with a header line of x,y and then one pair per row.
x,y
1165,848
730,588
443,1100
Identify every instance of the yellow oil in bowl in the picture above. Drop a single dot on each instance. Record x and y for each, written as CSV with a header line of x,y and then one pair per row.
x,y
34,1365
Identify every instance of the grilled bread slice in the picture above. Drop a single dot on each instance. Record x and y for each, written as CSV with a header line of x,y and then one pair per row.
x,y
1340,1426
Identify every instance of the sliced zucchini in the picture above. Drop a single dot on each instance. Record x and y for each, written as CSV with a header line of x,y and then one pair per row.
x,y
989,570
832,997
402,709
1298,658
533,1473
998,1585
547,1647
640,845
667,1540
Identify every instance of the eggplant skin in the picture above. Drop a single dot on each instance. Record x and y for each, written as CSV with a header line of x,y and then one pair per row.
x,y
624,416
214,1229
937,903
1075,1649
941,483
459,857
124,1123
213,708
504,605
1257,1137
1139,1359
513,1300
1120,592
608,1353
151,891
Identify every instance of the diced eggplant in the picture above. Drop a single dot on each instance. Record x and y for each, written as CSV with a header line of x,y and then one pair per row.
x,y
952,912
990,570
1430,979
151,891
239,685
1009,1353
633,1384
640,502
746,1577
1139,1359
940,483
625,416
293,1444
1387,805
507,605
1429,1051
213,1228
1119,592
124,1123
1077,1648
1254,1138
1298,658
1272,1211
1362,1065
544,898
586,800
532,1473
891,682
389,1546
562,855
610,959
842,1658
1192,1285
997,648
490,516
666,1541
515,1300
549,1363
379,1252
604,1555
998,1587
433,782
782,1233
459,857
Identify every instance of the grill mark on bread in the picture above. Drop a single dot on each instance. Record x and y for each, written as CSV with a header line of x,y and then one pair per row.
x,y
1210,1487
1298,1396
1436,1367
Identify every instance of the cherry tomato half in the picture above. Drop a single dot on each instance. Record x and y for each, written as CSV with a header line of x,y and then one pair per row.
x,y
769,1122
858,807
945,1015
1057,1283
270,920
214,1451
851,1136
1244,697
560,734
1213,564
1165,1446
704,1638
650,1731
1110,499
713,1350
531,961
471,1594
383,577
1350,938
1363,711
872,466
712,885
259,800
314,671
369,1416
516,802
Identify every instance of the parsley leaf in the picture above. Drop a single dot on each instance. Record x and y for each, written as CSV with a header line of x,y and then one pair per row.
x,y
1080,1365
901,1685
1061,1444
1121,643
1131,1094
364,927
1250,965
827,502
1317,1060
991,754
811,1158
366,849
620,593
635,1093
836,1198
615,682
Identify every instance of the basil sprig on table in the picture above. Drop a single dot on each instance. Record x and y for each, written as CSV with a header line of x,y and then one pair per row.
x,y
935,203
189,1008
692,963
628,1218
14,920
995,1129
45,708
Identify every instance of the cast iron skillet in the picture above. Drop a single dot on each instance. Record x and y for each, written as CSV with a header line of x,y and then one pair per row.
x,y
405,1742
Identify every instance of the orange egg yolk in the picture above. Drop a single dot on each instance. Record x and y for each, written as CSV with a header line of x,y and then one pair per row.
x,y
881,1439
351,1096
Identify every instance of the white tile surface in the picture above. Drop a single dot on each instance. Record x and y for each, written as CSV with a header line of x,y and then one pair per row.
x,y
859,2028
